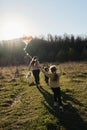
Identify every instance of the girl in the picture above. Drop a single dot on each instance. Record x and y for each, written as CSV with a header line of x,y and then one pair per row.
x,y
54,84
34,67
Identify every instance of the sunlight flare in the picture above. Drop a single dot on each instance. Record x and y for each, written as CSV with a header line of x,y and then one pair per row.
x,y
13,29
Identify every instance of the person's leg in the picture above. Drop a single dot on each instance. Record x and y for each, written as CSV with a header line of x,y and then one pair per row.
x,y
55,94
46,79
59,99
59,96
36,76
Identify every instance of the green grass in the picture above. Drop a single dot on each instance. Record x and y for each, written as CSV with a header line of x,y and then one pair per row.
x,y
26,107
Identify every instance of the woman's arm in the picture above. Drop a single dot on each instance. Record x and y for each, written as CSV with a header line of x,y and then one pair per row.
x,y
29,67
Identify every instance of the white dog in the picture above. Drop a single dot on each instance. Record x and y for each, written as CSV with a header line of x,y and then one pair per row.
x,y
28,76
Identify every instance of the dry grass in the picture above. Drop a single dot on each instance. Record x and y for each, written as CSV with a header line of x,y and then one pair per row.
x,y
25,107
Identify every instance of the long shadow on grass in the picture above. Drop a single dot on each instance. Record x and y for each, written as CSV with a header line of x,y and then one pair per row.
x,y
70,119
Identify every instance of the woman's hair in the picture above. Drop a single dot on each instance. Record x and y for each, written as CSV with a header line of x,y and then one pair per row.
x,y
53,70
35,58
34,61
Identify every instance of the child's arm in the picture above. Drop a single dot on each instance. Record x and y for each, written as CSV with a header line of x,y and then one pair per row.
x,y
60,71
45,72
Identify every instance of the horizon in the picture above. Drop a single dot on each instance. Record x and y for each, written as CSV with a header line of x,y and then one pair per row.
x,y
44,37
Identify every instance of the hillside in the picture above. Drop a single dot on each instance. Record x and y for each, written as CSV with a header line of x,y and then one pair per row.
x,y
23,106
60,49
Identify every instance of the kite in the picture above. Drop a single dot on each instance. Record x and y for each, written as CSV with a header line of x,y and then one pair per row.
x,y
26,41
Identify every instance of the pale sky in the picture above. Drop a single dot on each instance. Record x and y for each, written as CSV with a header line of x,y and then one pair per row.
x,y
40,17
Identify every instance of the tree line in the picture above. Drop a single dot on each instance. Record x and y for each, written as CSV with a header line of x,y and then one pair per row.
x,y
48,49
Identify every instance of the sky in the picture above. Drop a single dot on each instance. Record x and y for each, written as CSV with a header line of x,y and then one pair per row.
x,y
20,18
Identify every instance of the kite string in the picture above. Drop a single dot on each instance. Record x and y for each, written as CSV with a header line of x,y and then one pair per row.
x,y
27,54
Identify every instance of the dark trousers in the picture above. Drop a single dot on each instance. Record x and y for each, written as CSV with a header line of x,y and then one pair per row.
x,y
57,95
46,79
36,75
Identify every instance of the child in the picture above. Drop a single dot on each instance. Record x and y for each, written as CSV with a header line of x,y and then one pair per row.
x,y
46,77
54,84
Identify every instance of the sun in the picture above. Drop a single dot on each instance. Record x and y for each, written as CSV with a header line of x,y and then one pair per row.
x,y
13,29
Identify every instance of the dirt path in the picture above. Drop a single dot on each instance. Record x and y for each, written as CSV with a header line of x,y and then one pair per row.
x,y
17,99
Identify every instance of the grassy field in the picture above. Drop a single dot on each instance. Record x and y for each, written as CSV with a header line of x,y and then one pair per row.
x,y
26,107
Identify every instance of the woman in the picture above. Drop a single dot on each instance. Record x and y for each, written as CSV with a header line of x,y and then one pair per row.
x,y
34,67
